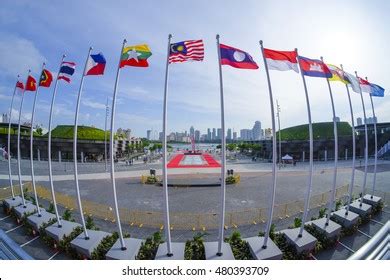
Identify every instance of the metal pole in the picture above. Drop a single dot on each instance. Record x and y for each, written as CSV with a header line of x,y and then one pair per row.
x,y
19,152
53,195
32,147
164,159
105,138
353,150
366,144
376,146
76,119
223,155
273,188
336,154
310,178
118,221
280,134
9,141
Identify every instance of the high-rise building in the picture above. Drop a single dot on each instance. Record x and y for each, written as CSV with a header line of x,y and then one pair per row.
x,y
192,131
214,135
148,134
359,121
229,134
4,118
256,131
219,133
268,133
371,120
246,134
208,134
197,135
160,136
234,135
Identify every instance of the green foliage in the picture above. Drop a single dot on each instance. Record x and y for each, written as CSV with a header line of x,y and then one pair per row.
x,y
239,247
323,242
320,131
101,250
232,179
377,208
271,232
339,204
83,132
149,248
67,216
51,208
297,223
194,249
38,131
151,179
288,250
90,224
322,213
64,243
231,147
249,148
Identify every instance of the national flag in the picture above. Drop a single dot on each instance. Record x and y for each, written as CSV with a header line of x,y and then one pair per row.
x,y
191,50
364,85
353,82
281,60
95,65
31,84
377,91
135,56
66,71
314,68
46,78
236,58
19,84
337,74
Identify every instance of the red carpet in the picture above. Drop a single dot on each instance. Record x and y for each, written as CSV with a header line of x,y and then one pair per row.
x,y
211,162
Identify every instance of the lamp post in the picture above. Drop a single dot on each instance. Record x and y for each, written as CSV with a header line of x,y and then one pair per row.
x,y
280,136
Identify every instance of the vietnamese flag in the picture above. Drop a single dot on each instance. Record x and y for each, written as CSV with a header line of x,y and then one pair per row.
x,y
31,84
46,78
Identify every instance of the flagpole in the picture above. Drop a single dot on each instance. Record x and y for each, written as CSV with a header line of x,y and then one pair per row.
x,y
366,144
353,149
336,154
164,159
274,155
310,178
105,138
223,154
76,119
118,221
376,145
19,152
9,141
32,147
53,195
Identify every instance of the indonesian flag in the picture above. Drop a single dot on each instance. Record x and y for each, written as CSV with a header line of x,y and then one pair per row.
x,y
281,60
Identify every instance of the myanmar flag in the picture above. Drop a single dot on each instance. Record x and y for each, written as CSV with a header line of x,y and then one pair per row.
x,y
135,56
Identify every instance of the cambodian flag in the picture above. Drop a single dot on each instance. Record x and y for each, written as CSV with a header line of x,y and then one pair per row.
x,y
236,58
95,65
314,68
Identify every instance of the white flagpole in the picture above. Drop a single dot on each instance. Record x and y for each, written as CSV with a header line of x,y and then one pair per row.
x,y
366,143
376,145
310,178
76,119
19,153
164,159
105,138
32,146
53,195
9,141
353,149
118,221
336,154
274,155
223,154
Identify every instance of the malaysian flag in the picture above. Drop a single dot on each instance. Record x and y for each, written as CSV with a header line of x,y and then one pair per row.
x,y
66,71
192,50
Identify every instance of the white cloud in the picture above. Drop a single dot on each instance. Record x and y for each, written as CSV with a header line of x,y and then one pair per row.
x,y
18,55
93,104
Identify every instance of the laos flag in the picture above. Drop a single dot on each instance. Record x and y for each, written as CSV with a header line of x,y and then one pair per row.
x,y
236,58
314,68
95,65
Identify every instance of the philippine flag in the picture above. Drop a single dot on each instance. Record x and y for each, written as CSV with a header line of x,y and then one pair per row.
x,y
95,65
314,68
66,71
236,58
281,60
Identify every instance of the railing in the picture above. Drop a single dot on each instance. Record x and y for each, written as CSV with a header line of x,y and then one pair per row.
x,y
384,149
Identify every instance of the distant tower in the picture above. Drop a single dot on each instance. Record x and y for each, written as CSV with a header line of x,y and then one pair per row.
x,y
256,130
214,135
229,134
148,134
359,121
192,131
208,134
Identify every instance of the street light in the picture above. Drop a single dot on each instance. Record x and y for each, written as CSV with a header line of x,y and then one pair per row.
x,y
280,137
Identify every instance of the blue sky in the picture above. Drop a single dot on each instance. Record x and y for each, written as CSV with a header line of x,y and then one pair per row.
x,y
354,33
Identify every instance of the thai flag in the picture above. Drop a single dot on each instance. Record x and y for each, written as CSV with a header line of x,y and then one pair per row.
x,y
95,65
66,71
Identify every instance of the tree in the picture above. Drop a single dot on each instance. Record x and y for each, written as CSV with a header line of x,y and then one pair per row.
x,y
231,147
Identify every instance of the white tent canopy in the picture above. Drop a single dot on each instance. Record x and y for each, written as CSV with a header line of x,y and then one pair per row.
x,y
287,157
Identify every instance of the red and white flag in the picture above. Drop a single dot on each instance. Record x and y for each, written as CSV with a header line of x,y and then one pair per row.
x,y
364,85
281,60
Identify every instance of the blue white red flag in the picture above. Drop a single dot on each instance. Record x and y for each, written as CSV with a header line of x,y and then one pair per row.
x,y
66,71
377,91
95,65
236,58
314,68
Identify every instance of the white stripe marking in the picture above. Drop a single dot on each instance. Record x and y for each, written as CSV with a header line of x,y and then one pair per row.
x,y
55,254
12,229
28,242
346,247
2,219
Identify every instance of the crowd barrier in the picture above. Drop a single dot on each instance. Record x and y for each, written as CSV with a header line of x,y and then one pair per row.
x,y
190,221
